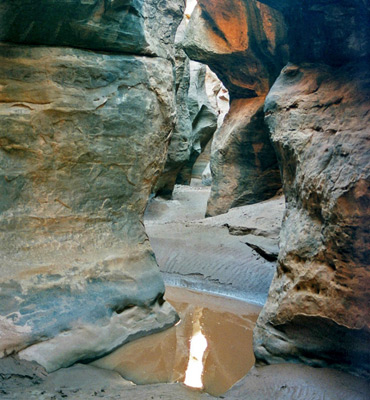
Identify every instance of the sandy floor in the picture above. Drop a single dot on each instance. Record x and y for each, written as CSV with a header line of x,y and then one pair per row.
x,y
211,254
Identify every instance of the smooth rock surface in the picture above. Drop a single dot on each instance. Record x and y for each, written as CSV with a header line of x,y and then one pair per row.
x,y
317,311
83,138
244,43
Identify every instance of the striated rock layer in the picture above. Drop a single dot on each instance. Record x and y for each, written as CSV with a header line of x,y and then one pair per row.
x,y
245,44
144,27
83,140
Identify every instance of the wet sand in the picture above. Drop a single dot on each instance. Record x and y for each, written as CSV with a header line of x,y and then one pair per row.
x,y
225,326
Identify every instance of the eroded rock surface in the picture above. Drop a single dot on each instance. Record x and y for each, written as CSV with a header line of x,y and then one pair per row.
x,y
245,44
83,141
317,311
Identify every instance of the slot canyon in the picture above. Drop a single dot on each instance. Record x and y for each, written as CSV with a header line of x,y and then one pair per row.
x,y
184,199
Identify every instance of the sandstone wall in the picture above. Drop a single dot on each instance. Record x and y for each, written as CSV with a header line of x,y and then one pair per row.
x,y
196,120
83,139
317,310
244,44
318,120
317,112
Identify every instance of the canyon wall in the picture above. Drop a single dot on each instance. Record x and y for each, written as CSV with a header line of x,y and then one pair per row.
x,y
245,45
196,119
317,117
84,116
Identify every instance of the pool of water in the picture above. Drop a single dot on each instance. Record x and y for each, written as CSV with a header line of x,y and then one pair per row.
x,y
209,349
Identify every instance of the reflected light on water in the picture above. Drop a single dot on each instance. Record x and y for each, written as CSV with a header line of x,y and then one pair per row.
x,y
198,345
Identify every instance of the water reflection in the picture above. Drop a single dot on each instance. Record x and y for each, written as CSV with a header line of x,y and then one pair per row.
x,y
210,349
198,345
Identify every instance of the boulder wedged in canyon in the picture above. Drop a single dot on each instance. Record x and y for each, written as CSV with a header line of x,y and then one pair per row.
x,y
245,45
83,141
126,26
317,310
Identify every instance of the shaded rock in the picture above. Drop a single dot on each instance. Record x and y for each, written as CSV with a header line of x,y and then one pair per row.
x,y
15,374
243,162
333,32
203,114
207,176
197,121
125,26
83,139
317,311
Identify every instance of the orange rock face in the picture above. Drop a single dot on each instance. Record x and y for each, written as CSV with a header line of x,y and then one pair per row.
x,y
243,42
229,23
